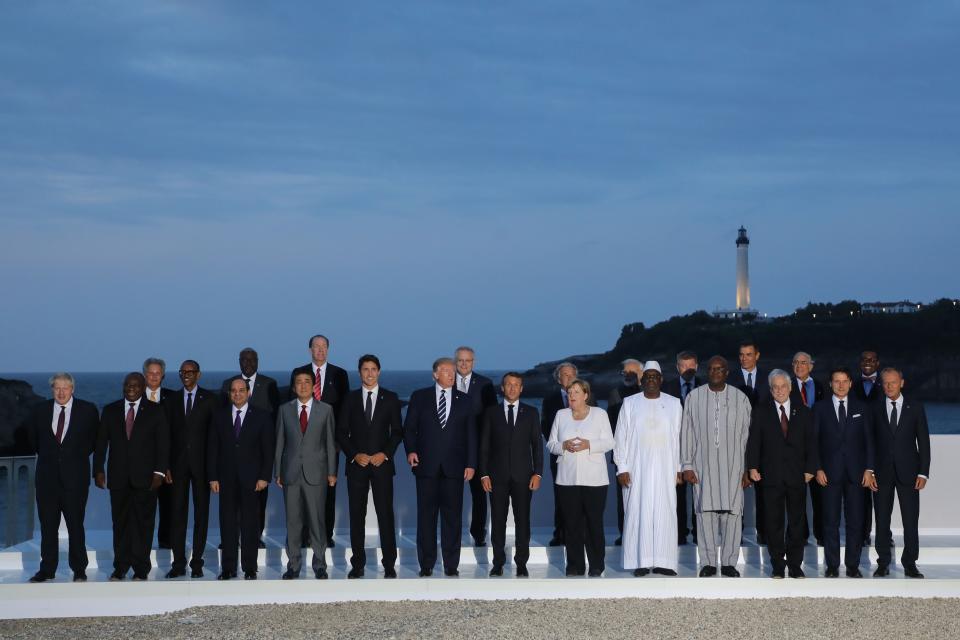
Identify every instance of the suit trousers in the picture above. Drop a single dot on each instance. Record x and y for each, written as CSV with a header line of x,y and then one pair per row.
x,y
726,526
304,510
134,514
557,511
868,498
841,495
71,502
478,510
910,515
504,492
816,506
185,483
780,498
759,517
683,513
583,521
329,515
439,496
360,482
165,516
239,519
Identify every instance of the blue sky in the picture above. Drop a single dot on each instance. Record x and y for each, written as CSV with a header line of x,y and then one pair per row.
x,y
185,179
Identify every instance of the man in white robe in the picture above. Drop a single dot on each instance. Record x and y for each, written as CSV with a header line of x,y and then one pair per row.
x,y
647,455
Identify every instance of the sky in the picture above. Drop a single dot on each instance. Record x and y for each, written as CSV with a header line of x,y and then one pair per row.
x,y
184,179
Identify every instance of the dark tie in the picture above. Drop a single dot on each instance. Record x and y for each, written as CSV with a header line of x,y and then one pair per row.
x,y
189,404
303,419
783,421
686,389
442,409
750,381
842,414
510,419
368,407
131,416
317,385
893,416
566,402
60,423
236,426
803,391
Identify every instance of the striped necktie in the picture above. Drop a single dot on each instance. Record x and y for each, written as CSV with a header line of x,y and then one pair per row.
x,y
442,409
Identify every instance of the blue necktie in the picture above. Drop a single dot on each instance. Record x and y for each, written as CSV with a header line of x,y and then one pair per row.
x,y
442,409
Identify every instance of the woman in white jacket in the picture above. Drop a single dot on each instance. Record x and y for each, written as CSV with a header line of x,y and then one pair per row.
x,y
581,436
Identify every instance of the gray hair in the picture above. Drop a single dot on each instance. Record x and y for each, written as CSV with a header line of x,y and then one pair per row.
x,y
62,376
159,361
778,373
441,361
799,354
464,348
632,361
556,372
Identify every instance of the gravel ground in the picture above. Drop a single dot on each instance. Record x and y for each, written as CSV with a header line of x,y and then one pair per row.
x,y
684,619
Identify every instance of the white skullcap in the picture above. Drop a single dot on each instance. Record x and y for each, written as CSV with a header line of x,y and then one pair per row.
x,y
652,364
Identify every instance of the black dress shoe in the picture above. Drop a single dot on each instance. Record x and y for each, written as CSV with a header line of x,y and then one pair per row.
x,y
40,576
882,571
618,542
572,573
729,571
389,572
331,543
866,541
556,541
196,573
426,573
819,542
452,573
796,572
249,575
833,572
854,572
175,573
664,572
595,573
227,575
116,576
640,572
681,541
320,574
355,573
290,574
479,542
497,570
261,545
708,571
912,572
521,571
777,573
79,576
140,577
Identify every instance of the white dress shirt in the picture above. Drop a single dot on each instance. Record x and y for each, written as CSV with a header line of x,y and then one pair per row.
x,y
373,398
463,382
251,381
836,406
319,373
243,413
786,407
308,403
66,417
149,392
899,404
506,410
746,372
192,392
449,393
587,468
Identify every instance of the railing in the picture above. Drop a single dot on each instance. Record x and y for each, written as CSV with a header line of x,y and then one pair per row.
x,y
18,499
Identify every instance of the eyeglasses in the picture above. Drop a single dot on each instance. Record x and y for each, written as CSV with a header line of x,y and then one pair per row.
x,y
802,362
189,372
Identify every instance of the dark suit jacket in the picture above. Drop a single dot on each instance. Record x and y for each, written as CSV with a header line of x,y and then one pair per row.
x,y
264,394
902,453
250,457
383,433
189,434
449,450
672,387
846,450
782,461
132,462
876,391
818,391
761,386
63,465
553,403
510,453
482,392
336,386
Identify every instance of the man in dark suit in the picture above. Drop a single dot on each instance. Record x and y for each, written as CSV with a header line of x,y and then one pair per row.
x,y
511,466
192,409
263,396
154,371
867,388
782,456
369,430
903,466
564,374
239,465
631,370
807,391
63,433
482,394
330,385
440,437
753,381
137,436
687,364
845,439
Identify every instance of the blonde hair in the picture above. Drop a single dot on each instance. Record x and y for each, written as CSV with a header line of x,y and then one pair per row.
x,y
583,384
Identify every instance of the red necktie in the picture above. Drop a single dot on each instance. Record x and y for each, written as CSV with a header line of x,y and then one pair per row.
x,y
131,416
60,423
303,419
783,421
803,392
317,385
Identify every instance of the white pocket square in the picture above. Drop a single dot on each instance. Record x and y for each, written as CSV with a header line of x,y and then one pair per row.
x,y
856,415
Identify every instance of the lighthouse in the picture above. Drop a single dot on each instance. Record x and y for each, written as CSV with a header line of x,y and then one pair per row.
x,y
743,274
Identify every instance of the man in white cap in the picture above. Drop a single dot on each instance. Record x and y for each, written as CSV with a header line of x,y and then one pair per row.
x,y
647,455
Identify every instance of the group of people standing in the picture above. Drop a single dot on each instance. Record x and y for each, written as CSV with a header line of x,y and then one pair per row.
x,y
776,431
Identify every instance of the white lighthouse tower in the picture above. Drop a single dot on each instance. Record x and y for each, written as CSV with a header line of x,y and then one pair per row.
x,y
743,274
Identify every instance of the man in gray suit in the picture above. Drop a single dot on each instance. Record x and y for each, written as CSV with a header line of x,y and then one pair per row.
x,y
306,464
